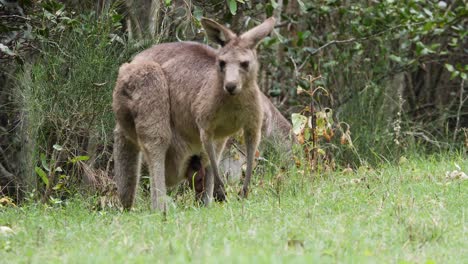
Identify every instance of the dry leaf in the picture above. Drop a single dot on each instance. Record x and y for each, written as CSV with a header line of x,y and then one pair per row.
x,y
6,231
7,201
456,175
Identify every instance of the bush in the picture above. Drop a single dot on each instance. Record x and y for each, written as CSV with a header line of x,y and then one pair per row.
x,y
66,95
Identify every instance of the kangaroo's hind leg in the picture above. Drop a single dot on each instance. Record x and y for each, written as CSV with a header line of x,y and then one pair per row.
x,y
126,168
153,127
142,108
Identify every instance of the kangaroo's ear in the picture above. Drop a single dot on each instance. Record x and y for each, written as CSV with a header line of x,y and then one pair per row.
x,y
217,32
256,34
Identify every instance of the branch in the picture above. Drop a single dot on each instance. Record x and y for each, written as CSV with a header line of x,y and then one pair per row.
x,y
332,43
4,173
359,39
15,16
283,24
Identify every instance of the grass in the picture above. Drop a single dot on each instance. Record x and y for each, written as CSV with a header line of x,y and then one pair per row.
x,y
408,213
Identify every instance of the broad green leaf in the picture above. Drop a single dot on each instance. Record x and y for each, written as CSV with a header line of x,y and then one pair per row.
x,y
44,162
42,175
395,58
79,158
449,67
274,4
454,74
232,6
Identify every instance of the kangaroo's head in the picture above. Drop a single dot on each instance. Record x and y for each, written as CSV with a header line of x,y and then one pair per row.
x,y
236,60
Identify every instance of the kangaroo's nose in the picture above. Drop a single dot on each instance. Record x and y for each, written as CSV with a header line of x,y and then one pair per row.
x,y
230,87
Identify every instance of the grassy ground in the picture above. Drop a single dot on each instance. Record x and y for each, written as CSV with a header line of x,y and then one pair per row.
x,y
396,214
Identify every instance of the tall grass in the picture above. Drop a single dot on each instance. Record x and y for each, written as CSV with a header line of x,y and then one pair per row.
x,y
66,95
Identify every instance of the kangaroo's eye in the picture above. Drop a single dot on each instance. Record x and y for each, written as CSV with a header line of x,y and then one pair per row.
x,y
222,64
244,65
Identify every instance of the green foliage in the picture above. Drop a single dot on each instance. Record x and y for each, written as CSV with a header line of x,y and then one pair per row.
x,y
66,92
43,176
232,6
394,71
374,60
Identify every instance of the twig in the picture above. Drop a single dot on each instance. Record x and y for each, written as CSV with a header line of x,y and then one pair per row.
x,y
282,24
14,16
304,63
59,48
296,72
331,43
6,174
360,39
239,149
425,137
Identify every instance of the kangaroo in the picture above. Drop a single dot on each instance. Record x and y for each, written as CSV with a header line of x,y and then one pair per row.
x,y
275,128
177,100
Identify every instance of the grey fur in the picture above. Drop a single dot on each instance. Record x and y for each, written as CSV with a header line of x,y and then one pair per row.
x,y
176,100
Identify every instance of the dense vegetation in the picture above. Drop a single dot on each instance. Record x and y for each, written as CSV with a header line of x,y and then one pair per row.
x,y
380,80
376,92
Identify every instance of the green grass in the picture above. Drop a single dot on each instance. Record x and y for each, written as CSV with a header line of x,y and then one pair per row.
x,y
396,214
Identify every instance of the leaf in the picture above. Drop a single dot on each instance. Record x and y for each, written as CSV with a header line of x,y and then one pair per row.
x,y
44,162
197,13
302,6
78,158
299,122
395,58
310,50
57,147
428,12
449,67
42,175
299,90
6,231
6,50
232,6
7,201
321,120
274,4
300,138
307,134
463,75
321,151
